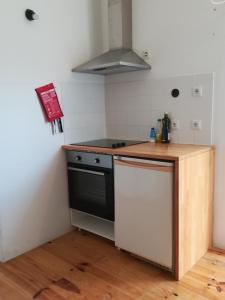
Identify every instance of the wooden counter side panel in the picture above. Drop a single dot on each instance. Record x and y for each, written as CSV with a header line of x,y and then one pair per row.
x,y
195,209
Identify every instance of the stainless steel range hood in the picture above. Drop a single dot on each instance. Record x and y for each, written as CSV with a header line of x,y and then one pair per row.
x,y
120,58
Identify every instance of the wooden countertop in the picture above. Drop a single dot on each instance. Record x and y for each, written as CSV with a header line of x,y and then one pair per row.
x,y
148,150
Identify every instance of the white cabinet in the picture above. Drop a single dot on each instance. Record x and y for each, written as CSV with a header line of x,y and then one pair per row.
x,y
143,208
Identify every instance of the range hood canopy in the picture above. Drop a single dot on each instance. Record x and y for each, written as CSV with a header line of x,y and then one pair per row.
x,y
114,61
120,58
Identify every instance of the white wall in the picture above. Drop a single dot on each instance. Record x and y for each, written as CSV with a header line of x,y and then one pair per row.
x,y
186,37
33,187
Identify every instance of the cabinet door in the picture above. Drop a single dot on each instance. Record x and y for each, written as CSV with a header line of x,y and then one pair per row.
x,y
143,208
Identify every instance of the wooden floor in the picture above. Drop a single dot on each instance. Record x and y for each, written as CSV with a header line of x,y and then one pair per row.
x,y
83,266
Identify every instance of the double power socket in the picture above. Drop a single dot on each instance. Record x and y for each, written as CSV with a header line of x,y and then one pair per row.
x,y
195,124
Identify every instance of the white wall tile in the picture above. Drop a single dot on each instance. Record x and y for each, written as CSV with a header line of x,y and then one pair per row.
x,y
133,107
84,107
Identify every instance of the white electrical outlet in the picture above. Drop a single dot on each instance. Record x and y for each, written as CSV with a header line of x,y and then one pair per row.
x,y
196,124
197,91
175,124
146,54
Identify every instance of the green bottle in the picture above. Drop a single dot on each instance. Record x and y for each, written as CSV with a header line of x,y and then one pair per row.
x,y
166,125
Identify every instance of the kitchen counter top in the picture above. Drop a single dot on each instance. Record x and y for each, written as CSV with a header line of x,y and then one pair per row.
x,y
172,152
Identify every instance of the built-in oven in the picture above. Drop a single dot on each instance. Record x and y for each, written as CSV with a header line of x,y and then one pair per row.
x,y
91,183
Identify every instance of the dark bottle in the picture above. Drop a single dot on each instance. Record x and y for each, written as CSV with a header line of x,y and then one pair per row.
x,y
166,123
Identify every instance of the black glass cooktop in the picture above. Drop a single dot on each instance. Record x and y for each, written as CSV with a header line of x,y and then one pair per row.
x,y
109,143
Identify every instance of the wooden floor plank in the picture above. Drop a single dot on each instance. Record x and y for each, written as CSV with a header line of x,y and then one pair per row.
x,y
81,266
10,290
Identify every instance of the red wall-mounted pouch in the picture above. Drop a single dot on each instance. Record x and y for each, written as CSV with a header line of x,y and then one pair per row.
x,y
50,103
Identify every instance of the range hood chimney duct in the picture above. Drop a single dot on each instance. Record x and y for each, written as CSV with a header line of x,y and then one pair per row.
x,y
120,58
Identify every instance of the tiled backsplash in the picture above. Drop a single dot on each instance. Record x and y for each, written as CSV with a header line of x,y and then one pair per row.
x,y
133,106
84,108
128,105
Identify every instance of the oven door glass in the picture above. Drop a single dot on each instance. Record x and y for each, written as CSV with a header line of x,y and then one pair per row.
x,y
91,191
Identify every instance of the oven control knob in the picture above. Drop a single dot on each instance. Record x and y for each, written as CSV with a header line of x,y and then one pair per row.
x,y
78,158
97,161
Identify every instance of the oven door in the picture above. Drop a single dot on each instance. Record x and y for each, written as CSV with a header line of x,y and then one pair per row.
x,y
91,190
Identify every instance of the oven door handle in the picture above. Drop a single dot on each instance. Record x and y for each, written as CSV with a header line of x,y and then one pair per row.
x,y
86,171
